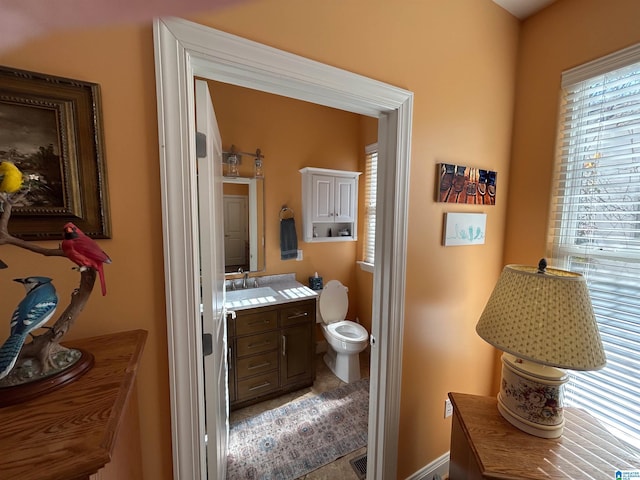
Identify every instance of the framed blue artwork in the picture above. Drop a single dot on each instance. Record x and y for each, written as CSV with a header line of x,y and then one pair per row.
x,y
464,229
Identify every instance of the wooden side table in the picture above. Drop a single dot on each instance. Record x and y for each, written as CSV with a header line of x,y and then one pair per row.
x,y
87,430
485,446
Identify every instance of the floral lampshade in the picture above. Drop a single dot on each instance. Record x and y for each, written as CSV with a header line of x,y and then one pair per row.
x,y
543,315
543,321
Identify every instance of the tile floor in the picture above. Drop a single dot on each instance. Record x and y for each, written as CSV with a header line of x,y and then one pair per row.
x,y
325,380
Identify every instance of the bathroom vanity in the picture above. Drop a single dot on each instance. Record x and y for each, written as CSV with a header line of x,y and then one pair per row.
x,y
271,342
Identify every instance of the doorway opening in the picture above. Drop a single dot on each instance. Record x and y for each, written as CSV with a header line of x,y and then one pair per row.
x,y
185,50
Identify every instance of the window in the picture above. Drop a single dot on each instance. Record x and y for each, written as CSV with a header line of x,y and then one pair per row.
x,y
370,185
595,226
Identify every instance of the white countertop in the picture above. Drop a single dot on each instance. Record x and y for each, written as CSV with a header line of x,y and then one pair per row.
x,y
271,290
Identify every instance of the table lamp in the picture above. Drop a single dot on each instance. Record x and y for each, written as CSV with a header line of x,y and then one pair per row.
x,y
543,321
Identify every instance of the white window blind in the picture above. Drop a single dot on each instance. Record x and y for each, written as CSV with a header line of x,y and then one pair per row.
x,y
370,186
595,227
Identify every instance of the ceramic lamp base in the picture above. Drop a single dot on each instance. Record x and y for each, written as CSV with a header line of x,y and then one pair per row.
x,y
530,396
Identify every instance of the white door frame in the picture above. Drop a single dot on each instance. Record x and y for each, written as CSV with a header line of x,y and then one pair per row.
x,y
185,50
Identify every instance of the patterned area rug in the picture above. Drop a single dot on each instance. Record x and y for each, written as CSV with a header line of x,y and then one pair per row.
x,y
301,436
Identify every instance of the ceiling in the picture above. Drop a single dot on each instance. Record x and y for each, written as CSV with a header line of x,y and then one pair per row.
x,y
523,8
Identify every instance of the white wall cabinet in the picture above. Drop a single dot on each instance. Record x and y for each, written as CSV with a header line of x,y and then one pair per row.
x,y
329,205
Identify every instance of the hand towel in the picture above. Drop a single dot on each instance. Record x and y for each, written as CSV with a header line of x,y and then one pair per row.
x,y
288,239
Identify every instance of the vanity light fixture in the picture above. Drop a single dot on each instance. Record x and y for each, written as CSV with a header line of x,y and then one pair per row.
x,y
258,171
232,169
233,159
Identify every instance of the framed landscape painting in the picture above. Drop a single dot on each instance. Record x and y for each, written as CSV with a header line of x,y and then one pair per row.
x,y
51,129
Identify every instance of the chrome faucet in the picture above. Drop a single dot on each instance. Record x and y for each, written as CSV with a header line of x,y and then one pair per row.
x,y
244,277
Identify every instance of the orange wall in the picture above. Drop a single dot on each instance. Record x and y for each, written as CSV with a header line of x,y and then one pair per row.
x,y
457,56
120,59
291,135
565,35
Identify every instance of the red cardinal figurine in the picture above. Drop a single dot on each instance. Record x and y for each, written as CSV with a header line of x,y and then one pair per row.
x,y
84,251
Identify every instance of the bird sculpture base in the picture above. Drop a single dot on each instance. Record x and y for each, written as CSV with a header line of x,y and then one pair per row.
x,y
25,382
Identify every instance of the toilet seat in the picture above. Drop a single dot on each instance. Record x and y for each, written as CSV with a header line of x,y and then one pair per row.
x,y
333,302
347,331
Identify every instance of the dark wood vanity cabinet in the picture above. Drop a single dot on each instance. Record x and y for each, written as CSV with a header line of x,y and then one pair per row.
x,y
271,351
296,336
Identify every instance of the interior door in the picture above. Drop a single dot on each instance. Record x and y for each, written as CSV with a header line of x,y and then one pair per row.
x,y
236,230
210,218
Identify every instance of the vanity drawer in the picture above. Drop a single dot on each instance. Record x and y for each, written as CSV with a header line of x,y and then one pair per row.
x,y
257,364
271,351
256,386
299,312
256,322
263,342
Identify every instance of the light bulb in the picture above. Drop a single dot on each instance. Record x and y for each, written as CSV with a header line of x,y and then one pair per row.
x,y
233,166
258,168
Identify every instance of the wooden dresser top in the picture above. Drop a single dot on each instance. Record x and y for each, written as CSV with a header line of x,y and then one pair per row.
x,y
586,450
70,433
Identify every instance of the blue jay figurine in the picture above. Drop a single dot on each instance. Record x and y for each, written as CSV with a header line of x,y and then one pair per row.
x,y
35,309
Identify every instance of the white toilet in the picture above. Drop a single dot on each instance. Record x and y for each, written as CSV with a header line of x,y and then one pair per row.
x,y
346,339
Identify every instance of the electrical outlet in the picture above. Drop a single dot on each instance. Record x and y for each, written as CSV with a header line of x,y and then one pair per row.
x,y
300,255
448,408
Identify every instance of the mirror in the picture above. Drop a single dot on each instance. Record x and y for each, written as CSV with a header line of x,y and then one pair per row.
x,y
243,206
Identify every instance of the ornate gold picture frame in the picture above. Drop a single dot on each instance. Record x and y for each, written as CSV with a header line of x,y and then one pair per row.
x,y
51,128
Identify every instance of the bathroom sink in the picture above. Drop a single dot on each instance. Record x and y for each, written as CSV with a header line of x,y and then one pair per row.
x,y
250,296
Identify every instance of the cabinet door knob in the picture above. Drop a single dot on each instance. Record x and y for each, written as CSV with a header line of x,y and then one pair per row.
x,y
284,346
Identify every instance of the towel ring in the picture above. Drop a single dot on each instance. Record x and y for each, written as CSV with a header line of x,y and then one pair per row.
x,y
286,212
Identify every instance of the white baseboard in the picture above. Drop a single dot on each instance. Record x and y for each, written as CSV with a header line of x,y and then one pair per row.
x,y
440,466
